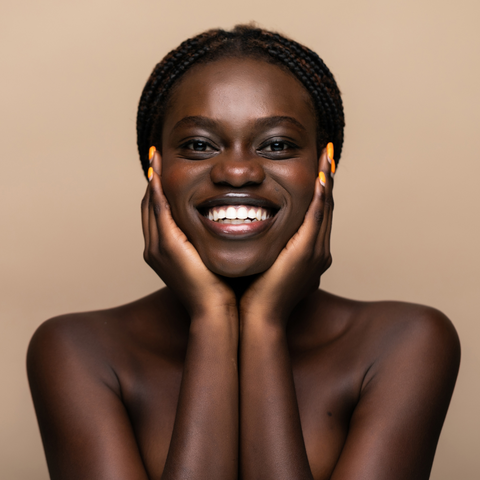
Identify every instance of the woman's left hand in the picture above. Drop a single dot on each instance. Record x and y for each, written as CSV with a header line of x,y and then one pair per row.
x,y
299,266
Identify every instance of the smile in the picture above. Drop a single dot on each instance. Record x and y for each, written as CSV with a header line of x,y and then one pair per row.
x,y
238,214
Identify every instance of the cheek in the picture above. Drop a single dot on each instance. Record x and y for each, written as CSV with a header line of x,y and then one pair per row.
x,y
177,186
300,185
173,183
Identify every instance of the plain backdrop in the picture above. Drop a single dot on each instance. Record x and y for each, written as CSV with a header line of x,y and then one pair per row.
x,y
407,197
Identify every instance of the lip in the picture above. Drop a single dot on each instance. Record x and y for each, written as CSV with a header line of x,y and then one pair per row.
x,y
238,198
237,232
243,230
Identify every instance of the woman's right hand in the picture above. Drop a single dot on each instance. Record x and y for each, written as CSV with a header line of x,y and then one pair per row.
x,y
175,260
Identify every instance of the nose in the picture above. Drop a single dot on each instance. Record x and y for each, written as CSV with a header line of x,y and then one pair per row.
x,y
237,169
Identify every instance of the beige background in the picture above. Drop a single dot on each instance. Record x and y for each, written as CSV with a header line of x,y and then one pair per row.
x,y
406,221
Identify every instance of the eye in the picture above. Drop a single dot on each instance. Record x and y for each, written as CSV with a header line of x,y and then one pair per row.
x,y
198,146
276,147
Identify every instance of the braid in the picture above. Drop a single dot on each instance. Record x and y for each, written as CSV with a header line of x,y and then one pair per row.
x,y
242,41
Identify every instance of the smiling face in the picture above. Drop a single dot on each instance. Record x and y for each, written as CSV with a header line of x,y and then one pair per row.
x,y
239,161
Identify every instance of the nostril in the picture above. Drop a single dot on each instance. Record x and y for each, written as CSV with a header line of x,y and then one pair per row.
x,y
237,173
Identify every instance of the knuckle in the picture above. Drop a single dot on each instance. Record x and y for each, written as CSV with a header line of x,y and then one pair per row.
x,y
329,261
157,209
319,215
329,202
146,256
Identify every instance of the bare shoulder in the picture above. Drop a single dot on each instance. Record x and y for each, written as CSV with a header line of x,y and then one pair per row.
x,y
408,344
406,358
78,367
387,326
417,330
95,340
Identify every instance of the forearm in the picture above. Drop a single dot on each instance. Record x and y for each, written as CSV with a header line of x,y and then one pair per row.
x,y
205,437
272,445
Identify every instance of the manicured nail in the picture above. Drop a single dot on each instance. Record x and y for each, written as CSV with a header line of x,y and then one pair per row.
x,y
150,173
330,152
151,152
322,178
333,168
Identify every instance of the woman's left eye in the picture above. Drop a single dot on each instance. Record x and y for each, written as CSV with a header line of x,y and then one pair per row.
x,y
276,147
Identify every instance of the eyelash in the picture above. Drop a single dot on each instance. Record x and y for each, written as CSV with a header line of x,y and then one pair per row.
x,y
288,145
191,142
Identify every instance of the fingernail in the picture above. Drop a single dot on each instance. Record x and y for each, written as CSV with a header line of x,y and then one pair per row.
x,y
151,152
330,152
150,173
333,168
322,178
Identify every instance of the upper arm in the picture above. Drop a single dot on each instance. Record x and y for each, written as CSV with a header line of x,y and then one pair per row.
x,y
405,396
85,428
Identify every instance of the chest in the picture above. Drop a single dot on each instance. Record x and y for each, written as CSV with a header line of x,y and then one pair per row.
x,y
326,388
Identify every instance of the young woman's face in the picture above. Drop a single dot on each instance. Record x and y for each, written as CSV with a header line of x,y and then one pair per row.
x,y
239,140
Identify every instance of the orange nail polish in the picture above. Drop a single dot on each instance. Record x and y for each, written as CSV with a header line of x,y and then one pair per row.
x,y
151,152
322,178
150,173
333,166
330,151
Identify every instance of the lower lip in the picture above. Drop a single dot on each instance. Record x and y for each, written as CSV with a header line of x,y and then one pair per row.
x,y
238,231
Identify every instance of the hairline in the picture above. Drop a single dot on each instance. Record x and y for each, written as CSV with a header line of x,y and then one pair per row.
x,y
163,110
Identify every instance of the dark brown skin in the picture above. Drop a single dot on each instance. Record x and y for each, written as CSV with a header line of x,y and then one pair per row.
x,y
241,367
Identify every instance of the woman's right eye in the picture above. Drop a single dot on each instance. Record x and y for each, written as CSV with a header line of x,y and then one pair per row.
x,y
198,146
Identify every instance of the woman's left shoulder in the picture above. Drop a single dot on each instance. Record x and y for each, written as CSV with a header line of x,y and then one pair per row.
x,y
415,325
393,329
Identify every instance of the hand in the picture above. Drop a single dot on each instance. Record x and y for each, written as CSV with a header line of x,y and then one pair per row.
x,y
299,266
174,258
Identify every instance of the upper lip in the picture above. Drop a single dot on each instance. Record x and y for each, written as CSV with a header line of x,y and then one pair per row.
x,y
238,198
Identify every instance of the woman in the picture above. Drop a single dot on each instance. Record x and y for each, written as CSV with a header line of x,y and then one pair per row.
x,y
241,367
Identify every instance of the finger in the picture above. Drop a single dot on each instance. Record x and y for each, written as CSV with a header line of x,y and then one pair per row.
x,y
315,215
326,230
306,237
323,243
162,226
145,207
156,201
145,217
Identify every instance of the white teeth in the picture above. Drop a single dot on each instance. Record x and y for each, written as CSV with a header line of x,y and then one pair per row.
x,y
233,221
237,214
231,213
242,213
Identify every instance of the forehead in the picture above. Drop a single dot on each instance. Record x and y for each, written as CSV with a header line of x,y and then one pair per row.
x,y
238,90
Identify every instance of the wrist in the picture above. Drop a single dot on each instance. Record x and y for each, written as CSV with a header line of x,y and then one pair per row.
x,y
215,320
263,317
263,324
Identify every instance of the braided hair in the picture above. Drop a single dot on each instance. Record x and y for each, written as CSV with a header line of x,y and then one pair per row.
x,y
243,41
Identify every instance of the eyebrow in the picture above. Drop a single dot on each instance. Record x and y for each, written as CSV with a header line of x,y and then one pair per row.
x,y
265,122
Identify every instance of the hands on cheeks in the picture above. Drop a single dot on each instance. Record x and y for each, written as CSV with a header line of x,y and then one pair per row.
x,y
298,268
274,294
173,257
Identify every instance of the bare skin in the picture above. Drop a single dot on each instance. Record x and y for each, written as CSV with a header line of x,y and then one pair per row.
x,y
241,367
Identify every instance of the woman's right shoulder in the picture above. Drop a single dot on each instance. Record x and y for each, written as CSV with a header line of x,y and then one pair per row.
x,y
97,338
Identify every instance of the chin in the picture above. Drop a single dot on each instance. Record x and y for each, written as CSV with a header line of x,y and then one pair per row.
x,y
238,267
